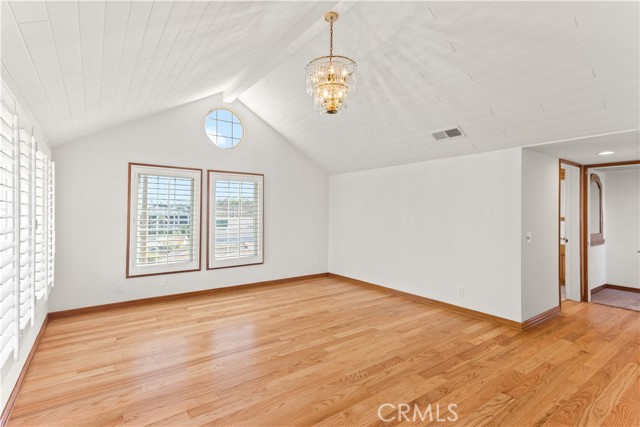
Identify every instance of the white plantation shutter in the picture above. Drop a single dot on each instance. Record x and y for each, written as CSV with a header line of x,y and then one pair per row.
x,y
40,238
164,233
8,232
27,226
27,234
236,219
51,233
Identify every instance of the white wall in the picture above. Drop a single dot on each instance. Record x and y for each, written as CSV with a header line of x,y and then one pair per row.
x,y
597,266
540,218
622,227
92,204
597,254
430,228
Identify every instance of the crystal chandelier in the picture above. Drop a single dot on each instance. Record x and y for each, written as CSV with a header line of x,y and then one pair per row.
x,y
331,79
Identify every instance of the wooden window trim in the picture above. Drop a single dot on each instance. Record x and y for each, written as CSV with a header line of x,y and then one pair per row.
x,y
131,165
210,172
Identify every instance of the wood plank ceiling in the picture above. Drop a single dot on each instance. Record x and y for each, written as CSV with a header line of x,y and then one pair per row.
x,y
508,73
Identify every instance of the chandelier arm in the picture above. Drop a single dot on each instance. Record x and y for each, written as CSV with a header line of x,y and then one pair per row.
x,y
352,62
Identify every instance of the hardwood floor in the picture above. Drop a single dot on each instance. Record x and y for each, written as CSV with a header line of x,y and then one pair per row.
x,y
326,352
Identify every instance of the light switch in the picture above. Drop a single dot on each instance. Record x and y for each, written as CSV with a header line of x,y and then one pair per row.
x,y
529,237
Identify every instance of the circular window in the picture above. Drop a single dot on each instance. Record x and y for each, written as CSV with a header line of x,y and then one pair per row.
x,y
224,128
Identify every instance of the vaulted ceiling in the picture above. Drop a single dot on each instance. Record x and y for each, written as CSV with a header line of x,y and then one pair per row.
x,y
508,73
86,65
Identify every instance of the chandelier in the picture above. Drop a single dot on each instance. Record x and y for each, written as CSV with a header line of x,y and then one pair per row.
x,y
331,79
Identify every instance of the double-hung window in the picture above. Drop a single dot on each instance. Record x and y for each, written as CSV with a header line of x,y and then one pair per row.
x,y
164,220
235,206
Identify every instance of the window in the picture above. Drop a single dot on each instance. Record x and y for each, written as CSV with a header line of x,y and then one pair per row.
x,y
26,227
235,235
224,128
40,209
9,181
51,225
164,220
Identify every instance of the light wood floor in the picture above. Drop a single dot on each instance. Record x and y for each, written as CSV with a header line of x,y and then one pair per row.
x,y
328,352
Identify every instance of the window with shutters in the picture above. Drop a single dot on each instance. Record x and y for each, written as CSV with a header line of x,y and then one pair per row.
x,y
26,220
164,220
26,227
40,242
51,223
235,203
8,232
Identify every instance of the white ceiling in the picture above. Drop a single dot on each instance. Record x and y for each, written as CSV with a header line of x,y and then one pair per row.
x,y
83,66
625,145
508,73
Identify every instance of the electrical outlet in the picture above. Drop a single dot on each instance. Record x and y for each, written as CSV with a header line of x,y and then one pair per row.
x,y
314,264
164,282
120,287
461,292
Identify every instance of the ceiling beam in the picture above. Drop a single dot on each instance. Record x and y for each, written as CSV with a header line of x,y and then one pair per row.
x,y
300,34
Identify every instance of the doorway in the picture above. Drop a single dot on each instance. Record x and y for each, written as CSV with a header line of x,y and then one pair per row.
x,y
574,237
569,231
613,209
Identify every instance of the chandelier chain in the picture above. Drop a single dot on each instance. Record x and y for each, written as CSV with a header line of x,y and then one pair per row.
x,y
331,39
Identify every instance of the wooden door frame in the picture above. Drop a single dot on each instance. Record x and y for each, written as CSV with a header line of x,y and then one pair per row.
x,y
584,206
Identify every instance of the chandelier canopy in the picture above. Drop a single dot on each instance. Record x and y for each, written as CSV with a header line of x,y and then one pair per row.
x,y
331,79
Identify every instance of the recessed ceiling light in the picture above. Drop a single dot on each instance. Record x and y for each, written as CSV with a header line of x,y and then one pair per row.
x,y
606,153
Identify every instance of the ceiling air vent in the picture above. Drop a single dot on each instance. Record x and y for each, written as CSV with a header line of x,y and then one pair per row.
x,y
447,134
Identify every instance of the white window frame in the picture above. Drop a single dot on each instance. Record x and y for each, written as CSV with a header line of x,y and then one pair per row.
x,y
137,169
213,176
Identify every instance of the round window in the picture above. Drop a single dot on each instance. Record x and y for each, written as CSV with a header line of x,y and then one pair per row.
x,y
224,128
